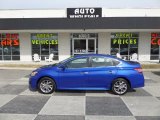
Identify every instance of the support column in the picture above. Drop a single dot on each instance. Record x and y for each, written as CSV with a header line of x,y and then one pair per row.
x,y
144,46
104,43
25,47
64,45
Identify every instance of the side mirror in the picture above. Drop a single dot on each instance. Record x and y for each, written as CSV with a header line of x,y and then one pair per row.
x,y
62,67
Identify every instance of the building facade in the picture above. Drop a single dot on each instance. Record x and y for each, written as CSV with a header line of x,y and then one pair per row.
x,y
75,31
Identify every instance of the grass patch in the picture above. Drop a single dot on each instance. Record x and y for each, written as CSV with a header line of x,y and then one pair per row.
x,y
150,66
21,65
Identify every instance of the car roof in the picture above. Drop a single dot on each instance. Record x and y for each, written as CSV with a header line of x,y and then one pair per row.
x,y
103,55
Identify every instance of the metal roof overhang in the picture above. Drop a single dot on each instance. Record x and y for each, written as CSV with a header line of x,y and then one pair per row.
x,y
79,23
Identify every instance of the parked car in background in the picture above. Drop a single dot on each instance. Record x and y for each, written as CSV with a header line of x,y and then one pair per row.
x,y
88,72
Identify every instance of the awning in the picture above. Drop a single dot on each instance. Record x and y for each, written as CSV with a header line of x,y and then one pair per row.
x,y
92,23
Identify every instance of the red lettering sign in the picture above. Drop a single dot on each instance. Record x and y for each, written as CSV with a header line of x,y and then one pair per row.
x,y
155,38
153,41
154,34
10,40
159,42
15,42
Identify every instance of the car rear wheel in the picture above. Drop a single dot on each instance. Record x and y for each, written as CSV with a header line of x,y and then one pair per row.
x,y
46,85
120,86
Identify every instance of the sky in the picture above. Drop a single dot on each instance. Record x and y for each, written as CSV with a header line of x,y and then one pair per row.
x,y
62,4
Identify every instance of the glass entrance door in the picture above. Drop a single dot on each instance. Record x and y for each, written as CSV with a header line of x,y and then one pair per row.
x,y
91,46
83,46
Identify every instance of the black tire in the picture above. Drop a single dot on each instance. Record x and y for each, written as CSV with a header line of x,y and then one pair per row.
x,y
46,85
120,86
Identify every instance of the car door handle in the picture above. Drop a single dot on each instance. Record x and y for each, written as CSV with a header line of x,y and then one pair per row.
x,y
110,71
84,72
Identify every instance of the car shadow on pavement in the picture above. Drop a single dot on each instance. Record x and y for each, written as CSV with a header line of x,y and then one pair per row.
x,y
27,76
156,73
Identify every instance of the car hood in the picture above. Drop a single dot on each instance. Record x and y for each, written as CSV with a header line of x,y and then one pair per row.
x,y
47,67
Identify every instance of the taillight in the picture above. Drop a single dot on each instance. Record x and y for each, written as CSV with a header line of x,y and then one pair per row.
x,y
138,70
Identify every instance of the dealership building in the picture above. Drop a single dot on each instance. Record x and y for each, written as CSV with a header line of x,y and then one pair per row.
x,y
79,30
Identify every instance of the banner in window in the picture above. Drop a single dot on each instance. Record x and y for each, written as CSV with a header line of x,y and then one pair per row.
x,y
155,39
9,39
124,38
45,44
9,46
155,46
44,39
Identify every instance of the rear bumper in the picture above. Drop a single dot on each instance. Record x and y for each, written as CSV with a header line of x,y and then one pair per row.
x,y
138,81
138,85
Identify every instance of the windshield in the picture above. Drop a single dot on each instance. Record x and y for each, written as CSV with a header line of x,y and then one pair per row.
x,y
63,61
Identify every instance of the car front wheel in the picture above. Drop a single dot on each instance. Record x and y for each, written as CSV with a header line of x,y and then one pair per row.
x,y
46,85
120,86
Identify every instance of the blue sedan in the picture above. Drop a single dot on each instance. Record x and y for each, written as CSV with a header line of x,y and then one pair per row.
x,y
88,72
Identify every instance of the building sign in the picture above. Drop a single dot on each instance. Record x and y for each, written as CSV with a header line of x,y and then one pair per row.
x,y
124,38
84,35
84,12
155,39
44,38
9,39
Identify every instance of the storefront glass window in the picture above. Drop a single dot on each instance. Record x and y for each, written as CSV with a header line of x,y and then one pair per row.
x,y
9,46
124,43
155,43
45,44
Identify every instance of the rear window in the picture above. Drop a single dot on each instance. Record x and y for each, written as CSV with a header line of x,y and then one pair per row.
x,y
103,61
132,62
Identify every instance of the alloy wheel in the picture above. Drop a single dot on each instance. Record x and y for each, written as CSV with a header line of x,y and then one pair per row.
x,y
120,86
46,85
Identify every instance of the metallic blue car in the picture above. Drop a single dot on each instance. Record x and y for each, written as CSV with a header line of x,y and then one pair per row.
x,y
88,72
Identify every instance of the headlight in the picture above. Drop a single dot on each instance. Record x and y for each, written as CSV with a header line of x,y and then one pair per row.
x,y
34,73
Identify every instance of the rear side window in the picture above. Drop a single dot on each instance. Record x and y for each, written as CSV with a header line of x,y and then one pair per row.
x,y
115,62
101,61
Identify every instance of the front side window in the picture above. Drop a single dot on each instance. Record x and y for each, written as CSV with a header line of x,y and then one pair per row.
x,y
45,44
124,43
9,46
78,63
101,62
155,43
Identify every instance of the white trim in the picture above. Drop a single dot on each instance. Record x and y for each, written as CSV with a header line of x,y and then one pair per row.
x,y
62,13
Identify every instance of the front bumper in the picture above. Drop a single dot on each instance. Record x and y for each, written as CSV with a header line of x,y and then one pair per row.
x,y
32,84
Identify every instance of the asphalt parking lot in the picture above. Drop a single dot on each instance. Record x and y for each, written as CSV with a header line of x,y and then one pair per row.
x,y
17,102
